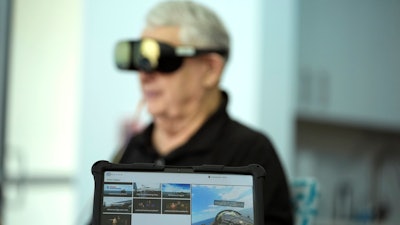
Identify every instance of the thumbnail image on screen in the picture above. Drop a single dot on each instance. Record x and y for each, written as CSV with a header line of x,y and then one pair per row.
x,y
117,204
218,205
150,190
171,190
117,189
115,219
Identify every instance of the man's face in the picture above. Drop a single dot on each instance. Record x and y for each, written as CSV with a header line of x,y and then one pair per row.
x,y
173,94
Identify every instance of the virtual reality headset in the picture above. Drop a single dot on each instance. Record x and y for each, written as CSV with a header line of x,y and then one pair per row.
x,y
150,55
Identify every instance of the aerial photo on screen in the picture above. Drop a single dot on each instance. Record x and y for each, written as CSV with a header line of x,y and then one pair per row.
x,y
176,190
220,205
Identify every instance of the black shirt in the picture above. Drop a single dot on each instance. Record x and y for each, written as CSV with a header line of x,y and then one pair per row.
x,y
223,141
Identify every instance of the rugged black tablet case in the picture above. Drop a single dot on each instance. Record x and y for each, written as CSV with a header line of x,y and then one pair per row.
x,y
255,170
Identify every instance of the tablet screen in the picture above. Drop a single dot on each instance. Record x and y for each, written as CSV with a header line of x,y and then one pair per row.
x,y
163,198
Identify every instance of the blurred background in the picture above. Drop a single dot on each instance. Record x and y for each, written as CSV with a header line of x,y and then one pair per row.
x,y
320,77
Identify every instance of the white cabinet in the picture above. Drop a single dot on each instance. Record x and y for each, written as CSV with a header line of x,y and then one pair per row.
x,y
349,62
348,106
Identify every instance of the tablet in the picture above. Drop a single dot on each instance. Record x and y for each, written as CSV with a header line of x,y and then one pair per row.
x,y
149,194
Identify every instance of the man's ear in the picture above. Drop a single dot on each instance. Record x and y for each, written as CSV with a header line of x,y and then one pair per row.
x,y
215,66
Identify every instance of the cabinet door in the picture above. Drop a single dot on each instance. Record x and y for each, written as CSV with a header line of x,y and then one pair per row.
x,y
349,61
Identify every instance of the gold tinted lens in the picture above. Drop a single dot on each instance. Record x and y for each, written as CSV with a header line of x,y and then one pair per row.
x,y
150,49
123,55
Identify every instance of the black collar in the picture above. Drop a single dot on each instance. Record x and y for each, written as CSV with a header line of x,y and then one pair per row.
x,y
199,142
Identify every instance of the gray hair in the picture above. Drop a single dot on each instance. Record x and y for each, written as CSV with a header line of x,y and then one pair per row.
x,y
199,25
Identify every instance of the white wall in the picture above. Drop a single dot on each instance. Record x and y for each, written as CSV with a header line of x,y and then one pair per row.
x,y
278,76
42,112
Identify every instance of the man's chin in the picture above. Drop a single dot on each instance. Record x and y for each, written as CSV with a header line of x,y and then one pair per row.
x,y
155,111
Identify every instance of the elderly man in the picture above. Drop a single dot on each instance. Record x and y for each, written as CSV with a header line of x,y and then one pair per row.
x,y
180,59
